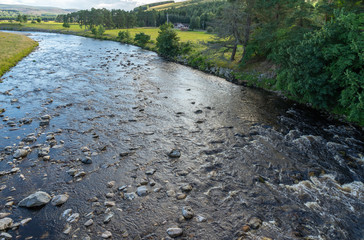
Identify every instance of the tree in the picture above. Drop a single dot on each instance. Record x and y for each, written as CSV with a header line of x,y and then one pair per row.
x,y
326,67
123,36
167,41
141,39
195,22
66,25
39,19
25,18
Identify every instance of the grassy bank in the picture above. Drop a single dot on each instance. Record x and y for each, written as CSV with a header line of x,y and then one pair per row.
x,y
13,47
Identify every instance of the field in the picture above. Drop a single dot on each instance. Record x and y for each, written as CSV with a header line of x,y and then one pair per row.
x,y
193,36
13,47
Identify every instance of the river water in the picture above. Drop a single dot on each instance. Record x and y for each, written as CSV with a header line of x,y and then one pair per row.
x,y
250,157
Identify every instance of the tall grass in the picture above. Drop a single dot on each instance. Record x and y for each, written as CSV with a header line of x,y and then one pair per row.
x,y
13,47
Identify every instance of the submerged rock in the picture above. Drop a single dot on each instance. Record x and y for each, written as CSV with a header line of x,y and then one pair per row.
x,y
175,153
254,223
187,212
5,223
174,232
59,199
142,191
106,234
20,153
36,199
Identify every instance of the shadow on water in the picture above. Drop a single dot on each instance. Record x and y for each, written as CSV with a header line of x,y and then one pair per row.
x,y
252,165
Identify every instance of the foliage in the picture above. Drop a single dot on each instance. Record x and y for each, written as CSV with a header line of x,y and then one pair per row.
x,y
124,36
167,41
141,39
209,29
326,68
66,25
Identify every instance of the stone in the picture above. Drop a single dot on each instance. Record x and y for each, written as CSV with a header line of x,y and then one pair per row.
x,y
109,203
175,153
201,218
171,193
106,234
108,217
5,235
5,223
174,232
43,152
150,171
142,191
68,229
129,196
187,212
45,117
86,160
245,228
25,221
111,184
186,188
88,223
36,199
3,215
181,196
59,199
73,218
20,153
66,213
254,223
110,195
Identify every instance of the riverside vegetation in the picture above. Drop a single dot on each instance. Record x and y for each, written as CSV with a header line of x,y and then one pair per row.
x,y
311,51
13,48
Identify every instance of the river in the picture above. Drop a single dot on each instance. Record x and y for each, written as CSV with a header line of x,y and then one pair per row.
x,y
252,164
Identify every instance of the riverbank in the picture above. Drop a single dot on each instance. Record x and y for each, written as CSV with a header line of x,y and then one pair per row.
x,y
13,47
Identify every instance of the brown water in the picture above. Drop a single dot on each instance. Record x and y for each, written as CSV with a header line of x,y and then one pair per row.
x,y
245,152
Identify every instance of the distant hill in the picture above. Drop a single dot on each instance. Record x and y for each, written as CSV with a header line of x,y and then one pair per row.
x,y
35,10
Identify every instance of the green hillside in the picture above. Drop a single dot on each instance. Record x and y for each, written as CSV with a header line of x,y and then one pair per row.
x,y
35,10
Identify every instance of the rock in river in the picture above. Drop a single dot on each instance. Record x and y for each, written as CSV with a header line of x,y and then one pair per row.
x,y
20,153
175,153
142,191
5,223
187,212
59,199
35,200
254,223
174,232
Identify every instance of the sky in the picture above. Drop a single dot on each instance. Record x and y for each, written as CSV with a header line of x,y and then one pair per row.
x,y
83,4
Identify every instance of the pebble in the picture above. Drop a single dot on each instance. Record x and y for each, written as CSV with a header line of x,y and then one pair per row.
x,y
73,218
201,218
254,223
171,193
150,171
186,188
35,200
129,196
187,212
89,222
20,153
111,184
110,195
108,217
66,213
2,215
86,160
25,221
109,203
142,191
5,223
5,235
174,232
68,229
106,234
175,153
181,196
59,199
43,152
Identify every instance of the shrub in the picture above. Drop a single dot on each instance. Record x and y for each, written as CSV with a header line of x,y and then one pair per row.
x,y
326,68
66,25
209,29
124,36
141,39
167,41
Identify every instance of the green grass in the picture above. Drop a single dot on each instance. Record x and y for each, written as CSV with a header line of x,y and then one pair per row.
x,y
13,47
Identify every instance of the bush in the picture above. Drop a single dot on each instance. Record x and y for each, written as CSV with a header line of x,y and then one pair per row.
x,y
141,39
124,36
326,68
167,41
209,29
66,25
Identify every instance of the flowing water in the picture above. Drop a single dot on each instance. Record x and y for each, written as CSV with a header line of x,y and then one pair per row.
x,y
250,157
